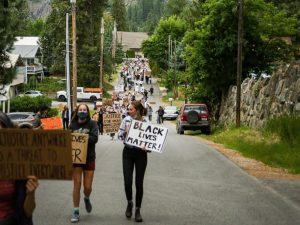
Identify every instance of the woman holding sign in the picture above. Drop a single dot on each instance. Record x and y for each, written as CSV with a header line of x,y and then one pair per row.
x,y
82,123
17,197
133,157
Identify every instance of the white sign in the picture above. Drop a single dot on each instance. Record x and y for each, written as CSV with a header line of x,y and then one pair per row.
x,y
146,135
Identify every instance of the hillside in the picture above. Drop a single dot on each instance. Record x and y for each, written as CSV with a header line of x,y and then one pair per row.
x,y
39,8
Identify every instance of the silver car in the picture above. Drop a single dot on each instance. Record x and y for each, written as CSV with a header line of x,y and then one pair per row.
x,y
22,119
170,113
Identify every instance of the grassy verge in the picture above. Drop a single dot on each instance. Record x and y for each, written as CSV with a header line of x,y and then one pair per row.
x,y
271,146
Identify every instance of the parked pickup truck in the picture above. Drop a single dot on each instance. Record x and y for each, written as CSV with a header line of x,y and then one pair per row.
x,y
91,94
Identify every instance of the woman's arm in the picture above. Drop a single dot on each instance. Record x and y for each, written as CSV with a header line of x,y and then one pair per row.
x,y
29,203
93,134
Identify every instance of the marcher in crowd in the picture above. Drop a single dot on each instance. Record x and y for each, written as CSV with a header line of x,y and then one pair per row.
x,y
151,90
82,123
42,113
150,112
160,113
65,117
17,197
133,157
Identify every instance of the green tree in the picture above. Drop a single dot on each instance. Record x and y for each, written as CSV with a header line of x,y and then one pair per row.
x,y
211,48
88,18
176,7
156,47
119,14
12,17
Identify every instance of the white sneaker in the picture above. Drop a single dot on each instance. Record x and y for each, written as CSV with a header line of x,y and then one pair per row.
x,y
75,217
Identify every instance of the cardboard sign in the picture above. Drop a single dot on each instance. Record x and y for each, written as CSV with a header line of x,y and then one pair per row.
x,y
112,122
146,135
79,147
52,123
45,154
107,102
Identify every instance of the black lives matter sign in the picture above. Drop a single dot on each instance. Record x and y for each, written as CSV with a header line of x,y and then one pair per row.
x,y
46,154
146,135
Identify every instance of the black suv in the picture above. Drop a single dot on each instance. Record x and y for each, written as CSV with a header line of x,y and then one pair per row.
x,y
193,117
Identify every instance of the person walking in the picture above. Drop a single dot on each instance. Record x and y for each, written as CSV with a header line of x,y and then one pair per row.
x,y
150,112
42,113
133,157
160,112
65,117
82,123
17,197
151,90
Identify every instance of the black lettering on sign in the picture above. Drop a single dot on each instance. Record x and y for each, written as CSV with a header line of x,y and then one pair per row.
x,y
12,170
52,155
14,139
79,139
75,154
29,155
49,171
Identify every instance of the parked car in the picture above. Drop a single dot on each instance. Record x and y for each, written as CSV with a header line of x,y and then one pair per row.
x,y
32,93
193,117
22,119
170,113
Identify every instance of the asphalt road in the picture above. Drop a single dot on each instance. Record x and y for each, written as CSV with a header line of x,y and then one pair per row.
x,y
190,183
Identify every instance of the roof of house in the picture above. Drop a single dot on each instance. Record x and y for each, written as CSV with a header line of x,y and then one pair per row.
x,y
27,47
131,40
13,59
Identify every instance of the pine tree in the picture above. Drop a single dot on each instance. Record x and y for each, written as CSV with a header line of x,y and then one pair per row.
x,y
12,16
119,14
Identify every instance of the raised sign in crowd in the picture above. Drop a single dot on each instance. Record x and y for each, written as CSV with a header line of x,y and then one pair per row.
x,y
60,148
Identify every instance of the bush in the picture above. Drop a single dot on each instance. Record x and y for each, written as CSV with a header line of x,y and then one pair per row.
x,y
53,112
29,104
130,54
286,127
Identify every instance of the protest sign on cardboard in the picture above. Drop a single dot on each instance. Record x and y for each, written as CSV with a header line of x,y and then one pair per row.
x,y
46,154
146,135
79,147
52,123
111,122
107,102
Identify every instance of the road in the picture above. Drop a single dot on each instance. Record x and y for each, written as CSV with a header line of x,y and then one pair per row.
x,y
190,183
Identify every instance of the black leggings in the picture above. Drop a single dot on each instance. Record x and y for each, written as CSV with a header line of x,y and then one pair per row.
x,y
134,158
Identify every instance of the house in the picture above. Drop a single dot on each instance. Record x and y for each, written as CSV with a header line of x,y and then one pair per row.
x,y
132,41
9,91
30,51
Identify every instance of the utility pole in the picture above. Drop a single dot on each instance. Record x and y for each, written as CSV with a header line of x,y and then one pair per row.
x,y
101,53
169,49
114,45
74,56
175,75
69,102
239,64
